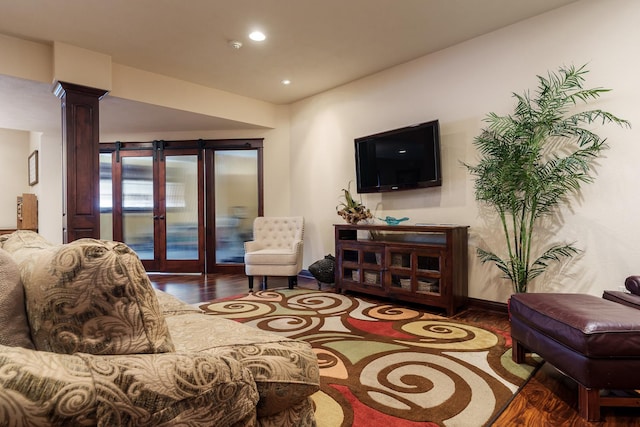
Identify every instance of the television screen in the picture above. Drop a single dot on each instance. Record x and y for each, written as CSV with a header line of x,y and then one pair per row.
x,y
399,159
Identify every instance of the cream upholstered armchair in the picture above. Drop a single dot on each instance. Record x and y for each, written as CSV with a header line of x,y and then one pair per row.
x,y
276,249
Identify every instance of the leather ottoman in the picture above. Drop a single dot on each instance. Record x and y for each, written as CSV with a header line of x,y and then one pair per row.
x,y
594,341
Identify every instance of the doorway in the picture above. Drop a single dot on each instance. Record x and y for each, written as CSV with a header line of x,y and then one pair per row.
x,y
183,206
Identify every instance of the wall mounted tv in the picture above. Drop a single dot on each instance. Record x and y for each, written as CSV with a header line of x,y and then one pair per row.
x,y
400,159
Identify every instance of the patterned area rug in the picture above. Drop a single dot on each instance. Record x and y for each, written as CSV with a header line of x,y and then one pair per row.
x,y
386,365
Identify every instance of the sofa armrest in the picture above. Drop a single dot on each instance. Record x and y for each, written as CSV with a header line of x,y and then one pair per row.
x,y
632,283
297,246
623,298
169,388
141,389
32,380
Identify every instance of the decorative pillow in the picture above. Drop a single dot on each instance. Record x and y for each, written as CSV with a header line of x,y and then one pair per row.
x,y
633,284
93,296
14,327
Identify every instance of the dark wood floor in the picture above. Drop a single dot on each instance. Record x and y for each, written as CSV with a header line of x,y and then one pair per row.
x,y
548,399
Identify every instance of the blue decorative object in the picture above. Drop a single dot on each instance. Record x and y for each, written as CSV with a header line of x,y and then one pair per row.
x,y
393,221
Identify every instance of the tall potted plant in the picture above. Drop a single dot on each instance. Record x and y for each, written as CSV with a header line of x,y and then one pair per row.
x,y
531,162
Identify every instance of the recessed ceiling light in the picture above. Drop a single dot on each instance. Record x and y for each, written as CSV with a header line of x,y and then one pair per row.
x,y
286,82
257,36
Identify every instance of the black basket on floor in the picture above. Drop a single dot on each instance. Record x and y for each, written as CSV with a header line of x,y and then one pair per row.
x,y
324,270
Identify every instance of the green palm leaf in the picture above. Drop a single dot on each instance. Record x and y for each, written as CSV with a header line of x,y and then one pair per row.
x,y
533,161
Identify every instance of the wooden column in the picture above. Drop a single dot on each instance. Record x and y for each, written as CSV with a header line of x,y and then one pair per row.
x,y
80,160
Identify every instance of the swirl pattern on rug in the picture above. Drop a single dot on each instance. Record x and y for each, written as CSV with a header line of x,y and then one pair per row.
x,y
379,361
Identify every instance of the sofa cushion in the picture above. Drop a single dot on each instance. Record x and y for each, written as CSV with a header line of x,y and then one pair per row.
x,y
39,388
285,371
170,305
93,296
14,327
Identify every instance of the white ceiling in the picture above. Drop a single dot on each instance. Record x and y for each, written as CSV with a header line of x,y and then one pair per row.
x,y
318,44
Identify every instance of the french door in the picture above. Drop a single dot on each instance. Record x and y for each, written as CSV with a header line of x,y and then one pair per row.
x,y
234,203
181,208
158,207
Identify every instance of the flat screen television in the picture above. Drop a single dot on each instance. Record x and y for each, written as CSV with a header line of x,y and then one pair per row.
x,y
399,159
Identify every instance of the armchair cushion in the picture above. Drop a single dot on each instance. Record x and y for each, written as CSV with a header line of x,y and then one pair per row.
x,y
271,257
93,296
14,327
49,389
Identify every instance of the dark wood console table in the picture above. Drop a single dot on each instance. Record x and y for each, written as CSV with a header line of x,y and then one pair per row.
x,y
426,264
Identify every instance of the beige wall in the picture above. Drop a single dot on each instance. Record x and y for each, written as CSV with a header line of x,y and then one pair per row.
x,y
14,146
459,86
26,59
49,187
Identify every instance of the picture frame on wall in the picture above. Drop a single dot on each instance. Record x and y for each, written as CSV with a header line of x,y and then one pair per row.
x,y
33,168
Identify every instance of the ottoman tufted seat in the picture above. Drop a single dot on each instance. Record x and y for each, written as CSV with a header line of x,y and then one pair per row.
x,y
592,340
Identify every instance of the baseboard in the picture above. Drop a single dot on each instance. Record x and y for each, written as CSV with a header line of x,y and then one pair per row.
x,y
306,274
498,307
481,304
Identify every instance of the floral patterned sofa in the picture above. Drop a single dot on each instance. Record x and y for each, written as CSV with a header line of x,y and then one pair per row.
x,y
85,340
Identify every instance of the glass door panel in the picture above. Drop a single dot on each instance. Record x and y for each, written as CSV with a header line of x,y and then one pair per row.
x,y
182,208
138,205
372,257
401,266
106,196
350,255
401,281
236,202
429,262
372,278
427,285
400,260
